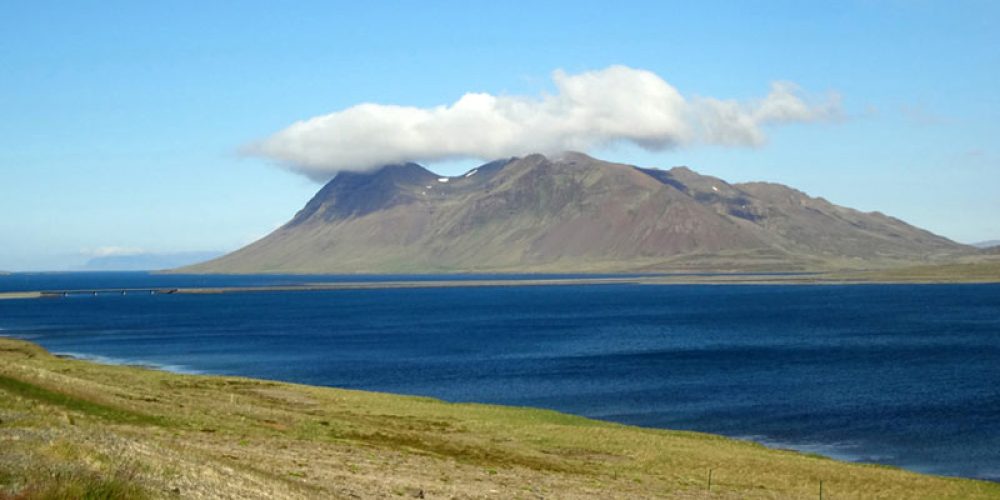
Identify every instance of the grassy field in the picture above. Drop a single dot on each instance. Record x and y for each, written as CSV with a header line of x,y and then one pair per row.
x,y
983,271
74,429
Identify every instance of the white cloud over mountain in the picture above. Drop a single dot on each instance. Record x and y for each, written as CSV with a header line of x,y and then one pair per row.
x,y
589,110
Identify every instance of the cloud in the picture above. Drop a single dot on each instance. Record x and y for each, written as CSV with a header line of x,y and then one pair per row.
x,y
735,123
589,110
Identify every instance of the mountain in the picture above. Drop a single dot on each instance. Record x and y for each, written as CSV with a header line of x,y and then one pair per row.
x,y
573,213
147,261
987,244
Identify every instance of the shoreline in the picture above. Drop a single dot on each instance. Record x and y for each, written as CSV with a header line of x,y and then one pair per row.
x,y
827,450
131,363
804,279
275,438
805,448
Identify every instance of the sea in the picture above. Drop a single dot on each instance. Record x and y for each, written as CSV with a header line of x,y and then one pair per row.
x,y
904,375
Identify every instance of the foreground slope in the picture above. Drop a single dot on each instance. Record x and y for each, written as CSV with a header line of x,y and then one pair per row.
x,y
71,428
573,213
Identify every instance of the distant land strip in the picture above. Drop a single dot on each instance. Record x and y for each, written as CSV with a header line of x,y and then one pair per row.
x,y
312,287
916,275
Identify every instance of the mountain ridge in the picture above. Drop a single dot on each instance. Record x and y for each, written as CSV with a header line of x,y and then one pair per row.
x,y
574,213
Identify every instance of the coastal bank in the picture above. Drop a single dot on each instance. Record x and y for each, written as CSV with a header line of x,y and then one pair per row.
x,y
69,427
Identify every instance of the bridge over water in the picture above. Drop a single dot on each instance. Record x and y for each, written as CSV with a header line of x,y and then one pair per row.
x,y
106,291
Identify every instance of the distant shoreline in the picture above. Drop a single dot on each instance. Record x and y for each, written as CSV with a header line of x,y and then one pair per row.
x,y
792,278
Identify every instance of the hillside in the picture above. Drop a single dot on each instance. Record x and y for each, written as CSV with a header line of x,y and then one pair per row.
x,y
74,429
574,213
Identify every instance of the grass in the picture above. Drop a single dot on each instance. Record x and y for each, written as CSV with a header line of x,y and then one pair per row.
x,y
125,432
984,271
81,486
34,392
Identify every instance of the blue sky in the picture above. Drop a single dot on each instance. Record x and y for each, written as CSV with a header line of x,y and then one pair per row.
x,y
121,122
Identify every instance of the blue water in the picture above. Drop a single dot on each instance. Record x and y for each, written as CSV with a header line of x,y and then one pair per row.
x,y
907,375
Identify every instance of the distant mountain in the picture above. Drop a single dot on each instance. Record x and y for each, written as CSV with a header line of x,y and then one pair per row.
x,y
987,244
573,213
147,261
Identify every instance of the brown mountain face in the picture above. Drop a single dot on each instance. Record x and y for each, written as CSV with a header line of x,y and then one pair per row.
x,y
573,213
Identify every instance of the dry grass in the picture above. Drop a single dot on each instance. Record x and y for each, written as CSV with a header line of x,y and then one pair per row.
x,y
69,429
986,270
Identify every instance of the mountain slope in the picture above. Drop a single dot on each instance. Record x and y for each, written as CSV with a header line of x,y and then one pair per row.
x,y
573,213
